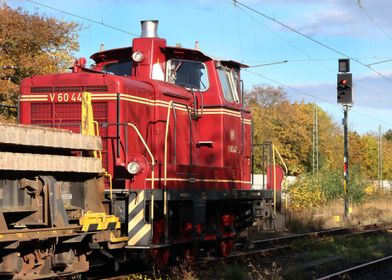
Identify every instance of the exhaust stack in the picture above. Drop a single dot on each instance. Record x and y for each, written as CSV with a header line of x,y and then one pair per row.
x,y
149,28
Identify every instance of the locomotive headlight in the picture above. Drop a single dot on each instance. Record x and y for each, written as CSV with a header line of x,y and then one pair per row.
x,y
133,167
137,56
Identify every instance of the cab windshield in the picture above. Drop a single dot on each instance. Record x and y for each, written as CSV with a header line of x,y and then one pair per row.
x,y
119,68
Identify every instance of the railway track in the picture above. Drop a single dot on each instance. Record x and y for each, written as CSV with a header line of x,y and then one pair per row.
x,y
284,242
324,233
357,269
276,245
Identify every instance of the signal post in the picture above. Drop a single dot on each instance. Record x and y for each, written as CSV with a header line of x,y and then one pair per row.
x,y
345,97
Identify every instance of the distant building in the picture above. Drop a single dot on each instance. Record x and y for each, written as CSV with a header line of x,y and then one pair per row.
x,y
260,184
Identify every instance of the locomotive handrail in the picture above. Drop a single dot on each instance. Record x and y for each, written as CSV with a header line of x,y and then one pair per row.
x,y
274,179
192,90
274,150
165,154
97,134
107,174
195,101
171,106
242,118
152,169
118,107
202,103
286,172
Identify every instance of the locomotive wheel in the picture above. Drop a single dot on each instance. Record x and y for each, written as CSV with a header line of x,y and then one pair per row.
x,y
160,257
225,246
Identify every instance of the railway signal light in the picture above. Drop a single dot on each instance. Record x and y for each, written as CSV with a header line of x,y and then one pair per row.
x,y
344,65
344,88
345,97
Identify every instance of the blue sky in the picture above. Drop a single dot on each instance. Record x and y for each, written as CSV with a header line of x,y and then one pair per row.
x,y
361,29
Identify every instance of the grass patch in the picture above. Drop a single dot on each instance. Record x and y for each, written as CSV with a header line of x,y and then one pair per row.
x,y
229,270
317,257
375,210
183,271
250,269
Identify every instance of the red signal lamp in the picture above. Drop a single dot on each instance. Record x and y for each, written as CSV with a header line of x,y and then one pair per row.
x,y
344,88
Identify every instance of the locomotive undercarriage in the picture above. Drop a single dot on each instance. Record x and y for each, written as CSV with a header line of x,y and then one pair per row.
x,y
201,221
41,238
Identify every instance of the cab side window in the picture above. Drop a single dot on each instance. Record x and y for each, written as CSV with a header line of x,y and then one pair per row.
x,y
186,73
230,84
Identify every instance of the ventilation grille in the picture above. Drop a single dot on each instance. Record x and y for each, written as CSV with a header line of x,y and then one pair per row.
x,y
69,89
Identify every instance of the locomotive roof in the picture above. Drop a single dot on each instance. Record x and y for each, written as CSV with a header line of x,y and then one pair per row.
x,y
112,54
199,55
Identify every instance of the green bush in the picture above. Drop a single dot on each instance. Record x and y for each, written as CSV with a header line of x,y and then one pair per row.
x,y
312,190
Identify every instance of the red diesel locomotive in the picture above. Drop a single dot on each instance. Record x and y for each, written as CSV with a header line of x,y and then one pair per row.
x,y
176,142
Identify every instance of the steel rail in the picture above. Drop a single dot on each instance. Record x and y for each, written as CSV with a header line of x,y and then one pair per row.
x,y
277,244
328,232
354,268
277,247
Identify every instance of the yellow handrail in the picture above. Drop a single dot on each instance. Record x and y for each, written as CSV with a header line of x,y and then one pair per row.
x,y
152,168
274,179
166,140
97,134
88,125
110,184
165,156
286,172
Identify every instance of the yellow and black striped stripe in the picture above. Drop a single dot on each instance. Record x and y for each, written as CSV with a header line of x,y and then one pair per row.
x,y
96,221
139,231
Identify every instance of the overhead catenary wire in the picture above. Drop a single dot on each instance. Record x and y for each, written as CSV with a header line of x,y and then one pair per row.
x,y
83,18
314,96
313,59
359,4
284,39
310,58
238,3
366,32
286,86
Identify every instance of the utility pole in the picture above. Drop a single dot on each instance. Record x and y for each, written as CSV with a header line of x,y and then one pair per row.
x,y
315,148
345,97
379,159
345,168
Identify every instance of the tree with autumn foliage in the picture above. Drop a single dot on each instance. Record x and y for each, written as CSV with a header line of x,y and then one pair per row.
x,y
387,155
31,44
290,126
